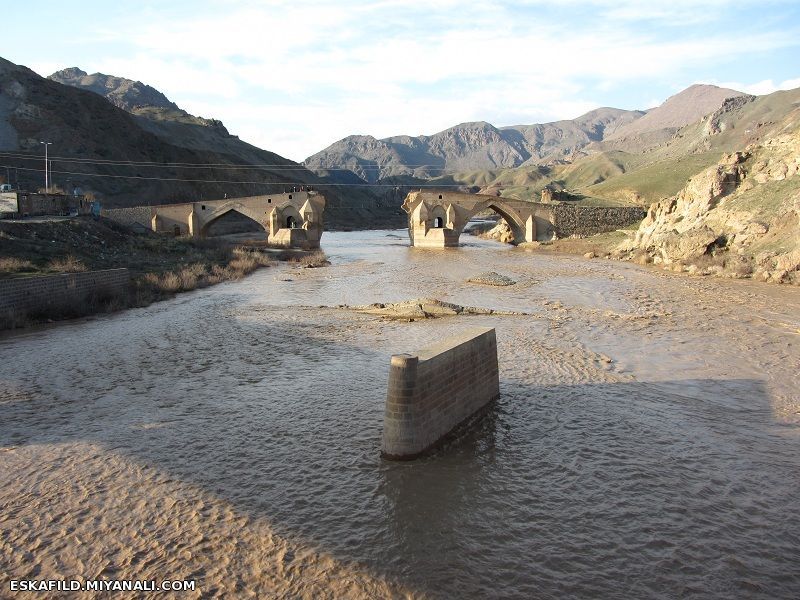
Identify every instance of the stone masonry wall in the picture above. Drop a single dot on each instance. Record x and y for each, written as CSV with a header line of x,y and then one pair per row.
x,y
128,216
434,391
27,294
582,221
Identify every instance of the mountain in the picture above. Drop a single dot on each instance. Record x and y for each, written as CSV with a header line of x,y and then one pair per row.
x,y
660,123
126,142
468,146
481,146
679,110
557,141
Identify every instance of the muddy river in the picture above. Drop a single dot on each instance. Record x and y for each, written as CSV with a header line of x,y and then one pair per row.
x,y
646,443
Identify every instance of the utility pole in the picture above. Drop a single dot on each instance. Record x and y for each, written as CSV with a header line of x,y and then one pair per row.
x,y
46,178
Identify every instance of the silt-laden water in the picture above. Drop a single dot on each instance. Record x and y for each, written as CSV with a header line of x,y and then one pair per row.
x,y
646,443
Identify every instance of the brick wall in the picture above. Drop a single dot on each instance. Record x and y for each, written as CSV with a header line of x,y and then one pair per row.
x,y
28,294
437,389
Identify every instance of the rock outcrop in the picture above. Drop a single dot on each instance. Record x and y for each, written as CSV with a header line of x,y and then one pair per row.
x,y
121,92
738,218
501,232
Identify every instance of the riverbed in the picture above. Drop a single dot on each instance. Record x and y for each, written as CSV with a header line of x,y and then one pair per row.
x,y
646,443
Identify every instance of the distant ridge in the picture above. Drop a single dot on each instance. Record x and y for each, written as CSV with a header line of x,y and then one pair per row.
x,y
468,146
482,146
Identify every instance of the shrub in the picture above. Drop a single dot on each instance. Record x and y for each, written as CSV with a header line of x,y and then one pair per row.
x,y
15,265
311,261
641,257
188,280
69,264
170,282
739,266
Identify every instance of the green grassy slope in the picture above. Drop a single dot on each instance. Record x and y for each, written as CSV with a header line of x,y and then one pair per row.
x,y
654,181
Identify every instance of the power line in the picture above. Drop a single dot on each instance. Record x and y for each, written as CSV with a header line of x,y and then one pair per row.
x,y
298,167
282,183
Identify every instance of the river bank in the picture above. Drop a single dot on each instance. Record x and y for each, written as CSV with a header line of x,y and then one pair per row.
x,y
644,445
615,245
160,266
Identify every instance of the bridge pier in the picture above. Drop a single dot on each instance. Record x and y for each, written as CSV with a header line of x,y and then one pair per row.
x,y
437,391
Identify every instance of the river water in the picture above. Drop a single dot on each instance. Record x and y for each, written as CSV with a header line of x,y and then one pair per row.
x,y
646,443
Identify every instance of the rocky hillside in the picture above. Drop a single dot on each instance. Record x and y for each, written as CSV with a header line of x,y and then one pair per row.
x,y
125,142
740,217
92,139
481,146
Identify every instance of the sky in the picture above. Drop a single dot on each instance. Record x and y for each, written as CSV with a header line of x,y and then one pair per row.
x,y
294,77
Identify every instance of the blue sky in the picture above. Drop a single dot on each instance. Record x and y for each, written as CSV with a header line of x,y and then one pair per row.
x,y
293,77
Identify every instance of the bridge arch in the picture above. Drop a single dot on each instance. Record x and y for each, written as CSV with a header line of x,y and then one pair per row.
x,y
206,221
438,216
510,216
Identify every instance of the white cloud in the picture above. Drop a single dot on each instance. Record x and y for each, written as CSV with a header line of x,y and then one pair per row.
x,y
678,13
294,77
767,86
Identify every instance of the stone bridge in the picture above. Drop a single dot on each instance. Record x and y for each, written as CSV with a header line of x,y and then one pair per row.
x,y
436,219
290,219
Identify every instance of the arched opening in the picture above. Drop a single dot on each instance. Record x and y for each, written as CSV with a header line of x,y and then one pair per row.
x,y
437,217
290,222
496,222
234,223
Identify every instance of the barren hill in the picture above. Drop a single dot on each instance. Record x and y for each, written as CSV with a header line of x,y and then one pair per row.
x,y
661,123
93,139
